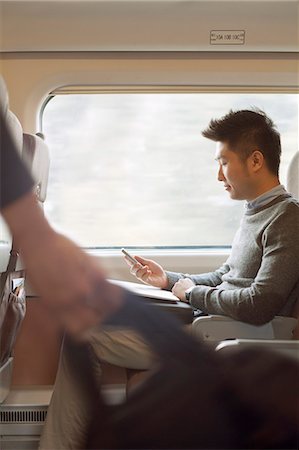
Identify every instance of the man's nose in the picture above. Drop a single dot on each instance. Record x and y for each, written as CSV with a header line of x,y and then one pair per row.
x,y
220,176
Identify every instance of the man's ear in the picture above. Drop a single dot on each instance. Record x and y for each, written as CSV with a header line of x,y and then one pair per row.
x,y
257,160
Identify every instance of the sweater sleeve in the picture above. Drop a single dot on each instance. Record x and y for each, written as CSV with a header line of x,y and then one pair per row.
x,y
275,280
15,178
207,279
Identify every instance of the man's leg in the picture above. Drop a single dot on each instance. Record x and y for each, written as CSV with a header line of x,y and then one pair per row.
x,y
124,348
69,410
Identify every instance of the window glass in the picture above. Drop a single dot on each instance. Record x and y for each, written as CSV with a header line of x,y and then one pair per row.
x,y
132,169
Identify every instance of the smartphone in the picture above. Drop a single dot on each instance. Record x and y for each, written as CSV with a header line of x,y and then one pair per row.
x,y
130,257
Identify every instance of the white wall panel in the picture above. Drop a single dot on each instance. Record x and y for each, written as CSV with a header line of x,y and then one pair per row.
x,y
150,26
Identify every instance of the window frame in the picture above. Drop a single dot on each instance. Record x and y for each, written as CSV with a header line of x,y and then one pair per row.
x,y
220,250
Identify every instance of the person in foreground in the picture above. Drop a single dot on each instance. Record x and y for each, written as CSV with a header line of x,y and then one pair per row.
x,y
258,281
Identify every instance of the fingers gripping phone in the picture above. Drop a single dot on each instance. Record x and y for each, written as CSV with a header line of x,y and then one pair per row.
x,y
130,257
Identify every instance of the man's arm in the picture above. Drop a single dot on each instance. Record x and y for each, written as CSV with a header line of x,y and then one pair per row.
x,y
273,284
206,279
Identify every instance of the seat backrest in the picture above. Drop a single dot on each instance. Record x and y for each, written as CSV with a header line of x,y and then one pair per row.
x,y
17,132
293,176
3,98
12,296
35,154
293,188
295,313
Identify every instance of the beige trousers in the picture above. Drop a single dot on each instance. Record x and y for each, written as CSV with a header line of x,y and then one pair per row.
x,y
68,413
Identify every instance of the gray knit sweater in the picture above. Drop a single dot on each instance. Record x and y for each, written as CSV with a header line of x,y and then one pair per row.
x,y
260,279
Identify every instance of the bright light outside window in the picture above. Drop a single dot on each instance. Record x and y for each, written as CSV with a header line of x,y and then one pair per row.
x,y
131,169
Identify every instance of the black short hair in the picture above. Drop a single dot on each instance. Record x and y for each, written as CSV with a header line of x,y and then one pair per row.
x,y
245,131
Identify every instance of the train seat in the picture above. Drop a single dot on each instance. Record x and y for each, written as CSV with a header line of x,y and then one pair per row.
x,y
3,97
215,328
287,347
12,310
36,156
16,130
293,176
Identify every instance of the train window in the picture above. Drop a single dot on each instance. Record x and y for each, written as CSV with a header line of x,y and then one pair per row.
x,y
132,169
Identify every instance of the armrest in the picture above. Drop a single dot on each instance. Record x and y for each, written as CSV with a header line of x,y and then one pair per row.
x,y
287,347
217,328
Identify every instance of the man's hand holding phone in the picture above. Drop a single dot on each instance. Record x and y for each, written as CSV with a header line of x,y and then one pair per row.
x,y
146,270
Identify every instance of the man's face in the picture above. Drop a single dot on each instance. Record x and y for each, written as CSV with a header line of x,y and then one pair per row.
x,y
234,173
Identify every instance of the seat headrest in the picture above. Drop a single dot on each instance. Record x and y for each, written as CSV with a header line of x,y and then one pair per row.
x,y
3,98
12,121
293,176
16,130
36,156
